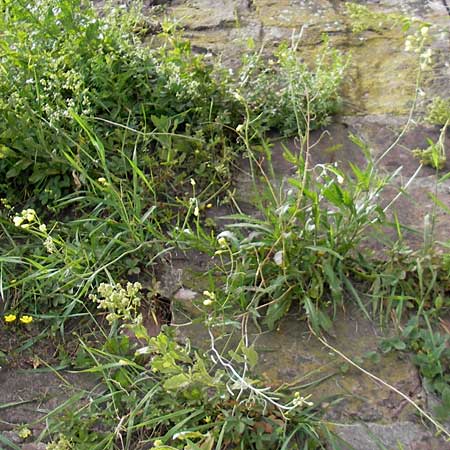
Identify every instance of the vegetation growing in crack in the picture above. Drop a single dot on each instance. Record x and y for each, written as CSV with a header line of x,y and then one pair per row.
x,y
111,151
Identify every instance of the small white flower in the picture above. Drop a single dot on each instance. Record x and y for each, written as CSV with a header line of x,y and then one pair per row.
x,y
300,401
278,258
227,235
18,220
427,53
50,245
408,45
29,215
210,295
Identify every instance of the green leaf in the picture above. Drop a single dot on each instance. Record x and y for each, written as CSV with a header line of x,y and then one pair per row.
x,y
251,355
318,319
276,311
184,435
177,382
399,345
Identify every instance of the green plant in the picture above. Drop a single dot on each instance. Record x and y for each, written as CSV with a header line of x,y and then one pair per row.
x,y
283,93
108,135
50,267
171,396
439,111
363,18
434,155
431,355
303,250
63,58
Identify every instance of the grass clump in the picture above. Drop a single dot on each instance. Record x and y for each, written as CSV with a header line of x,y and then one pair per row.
x,y
61,57
303,249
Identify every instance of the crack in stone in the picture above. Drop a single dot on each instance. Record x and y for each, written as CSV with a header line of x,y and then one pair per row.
x,y
251,5
447,7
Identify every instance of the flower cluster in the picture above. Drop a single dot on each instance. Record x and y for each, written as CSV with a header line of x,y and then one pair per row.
x,y
301,402
416,43
210,298
11,318
122,303
25,219
439,111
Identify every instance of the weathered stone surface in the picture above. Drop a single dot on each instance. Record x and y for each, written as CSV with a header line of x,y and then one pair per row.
x,y
33,446
381,77
291,354
201,14
369,436
36,394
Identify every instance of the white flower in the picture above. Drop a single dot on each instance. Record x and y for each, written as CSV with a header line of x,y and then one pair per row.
x,y
224,237
408,45
18,220
300,401
210,295
278,258
29,214
50,245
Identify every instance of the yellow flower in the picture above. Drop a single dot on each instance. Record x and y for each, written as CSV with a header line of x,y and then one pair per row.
x,y
24,433
10,318
222,242
26,320
209,205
